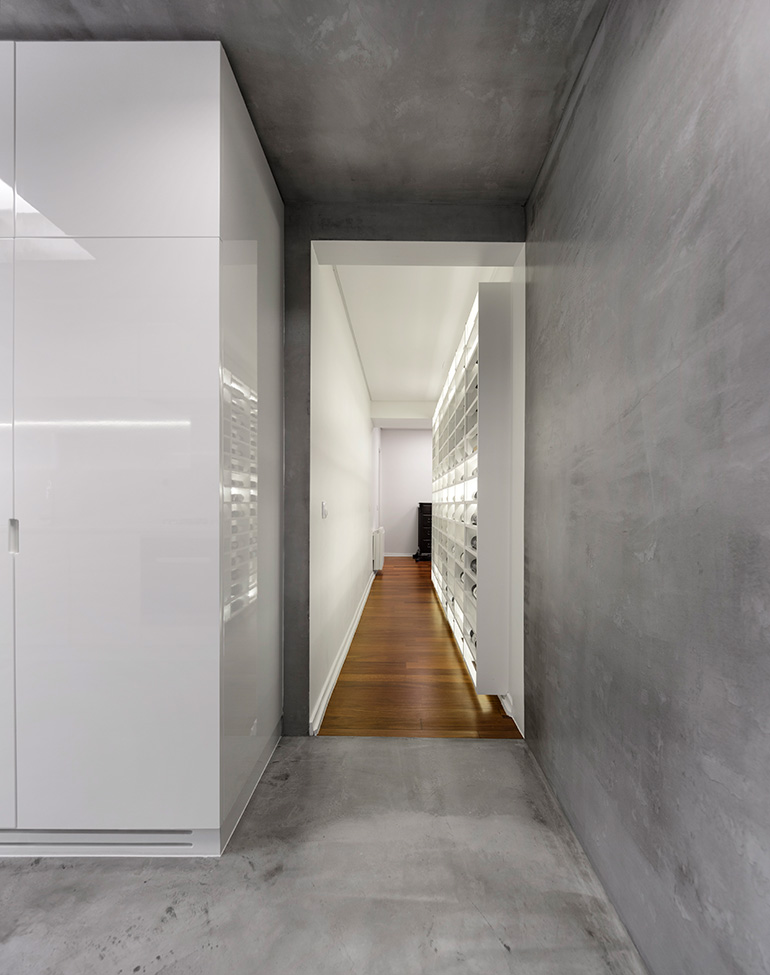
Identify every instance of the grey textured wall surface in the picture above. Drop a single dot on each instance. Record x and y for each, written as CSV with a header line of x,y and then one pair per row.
x,y
305,224
648,477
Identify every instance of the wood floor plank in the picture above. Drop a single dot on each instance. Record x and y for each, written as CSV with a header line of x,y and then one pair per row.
x,y
403,676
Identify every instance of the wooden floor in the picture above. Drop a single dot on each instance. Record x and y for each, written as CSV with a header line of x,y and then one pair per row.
x,y
403,676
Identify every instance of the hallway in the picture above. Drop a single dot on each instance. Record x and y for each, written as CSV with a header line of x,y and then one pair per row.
x,y
355,857
403,675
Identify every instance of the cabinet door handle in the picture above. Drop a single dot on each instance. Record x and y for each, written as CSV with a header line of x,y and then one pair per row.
x,y
13,536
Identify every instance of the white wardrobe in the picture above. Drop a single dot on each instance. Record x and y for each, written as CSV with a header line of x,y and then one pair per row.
x,y
129,226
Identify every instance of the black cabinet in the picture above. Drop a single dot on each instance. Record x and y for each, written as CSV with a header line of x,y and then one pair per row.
x,y
424,525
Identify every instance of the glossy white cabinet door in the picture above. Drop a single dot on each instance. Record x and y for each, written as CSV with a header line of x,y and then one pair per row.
x,y
7,722
6,137
118,499
117,139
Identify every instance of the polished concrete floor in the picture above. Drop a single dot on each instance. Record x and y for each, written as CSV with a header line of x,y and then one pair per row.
x,y
357,856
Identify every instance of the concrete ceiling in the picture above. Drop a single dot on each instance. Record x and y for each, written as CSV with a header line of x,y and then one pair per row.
x,y
407,323
372,100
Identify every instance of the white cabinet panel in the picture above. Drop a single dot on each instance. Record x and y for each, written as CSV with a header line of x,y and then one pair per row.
x,y
6,138
7,743
495,419
117,139
118,499
241,201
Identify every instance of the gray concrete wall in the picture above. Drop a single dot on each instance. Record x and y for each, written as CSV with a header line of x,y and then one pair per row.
x,y
339,222
648,476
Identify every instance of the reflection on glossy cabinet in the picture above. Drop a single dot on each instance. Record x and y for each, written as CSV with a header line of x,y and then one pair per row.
x,y
6,138
7,717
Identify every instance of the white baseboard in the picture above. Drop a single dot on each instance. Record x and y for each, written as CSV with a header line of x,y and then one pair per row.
x,y
507,702
399,555
318,712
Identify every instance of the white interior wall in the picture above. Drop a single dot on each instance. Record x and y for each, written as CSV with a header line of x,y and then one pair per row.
x,y
340,475
406,481
376,477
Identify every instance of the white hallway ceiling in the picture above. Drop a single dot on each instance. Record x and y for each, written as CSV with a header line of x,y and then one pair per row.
x,y
407,323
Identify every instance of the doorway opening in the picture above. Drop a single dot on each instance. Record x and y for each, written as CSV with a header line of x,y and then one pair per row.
x,y
416,535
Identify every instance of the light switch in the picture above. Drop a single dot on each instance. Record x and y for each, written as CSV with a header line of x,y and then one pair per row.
x,y
324,510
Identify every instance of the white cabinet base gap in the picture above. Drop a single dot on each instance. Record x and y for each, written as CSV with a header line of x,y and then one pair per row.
x,y
133,199
472,463
137,843
142,843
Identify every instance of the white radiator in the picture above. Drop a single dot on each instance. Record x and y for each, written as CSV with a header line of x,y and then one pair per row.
x,y
378,549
